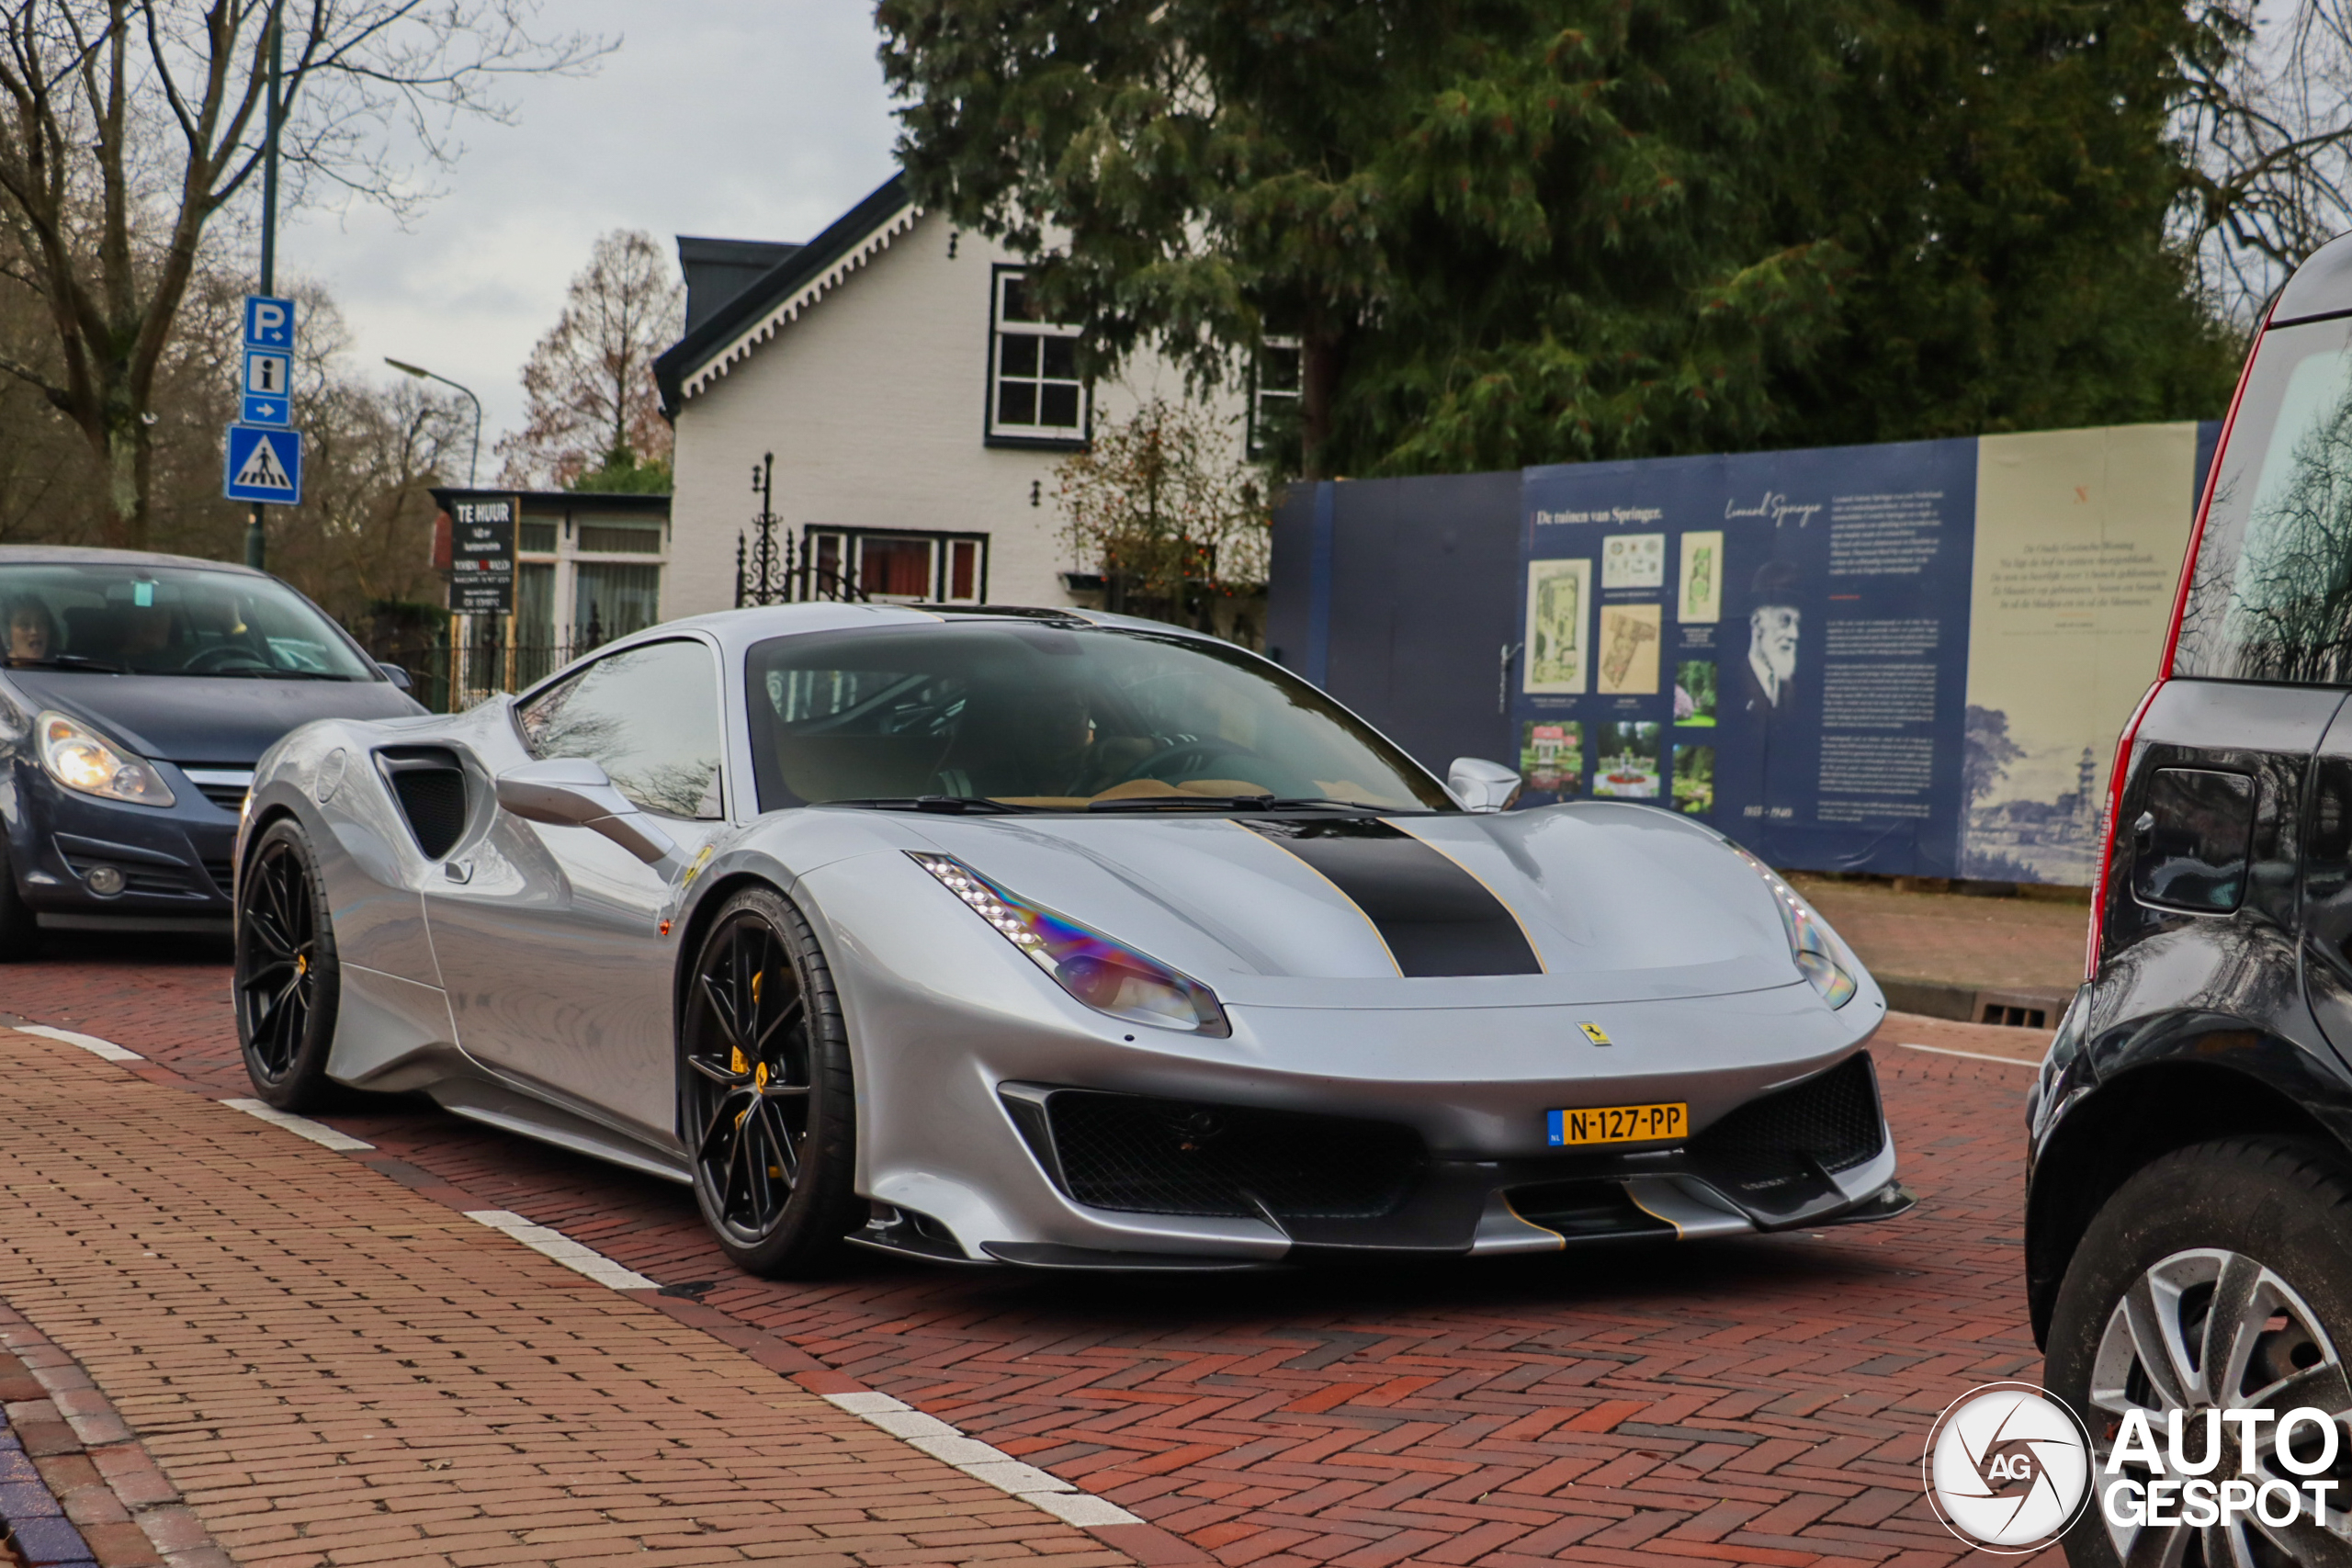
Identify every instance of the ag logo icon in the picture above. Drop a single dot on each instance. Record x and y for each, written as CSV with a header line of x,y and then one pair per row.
x,y
2008,1468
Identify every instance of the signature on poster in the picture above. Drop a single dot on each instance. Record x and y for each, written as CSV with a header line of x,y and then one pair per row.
x,y
1777,507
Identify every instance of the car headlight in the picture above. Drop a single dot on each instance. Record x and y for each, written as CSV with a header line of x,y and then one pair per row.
x,y
81,760
1107,975
1821,957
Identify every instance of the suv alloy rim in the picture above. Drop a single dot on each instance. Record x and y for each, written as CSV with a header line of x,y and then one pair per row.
x,y
2213,1329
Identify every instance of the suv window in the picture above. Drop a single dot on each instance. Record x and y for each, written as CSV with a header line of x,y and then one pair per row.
x,y
2271,596
648,716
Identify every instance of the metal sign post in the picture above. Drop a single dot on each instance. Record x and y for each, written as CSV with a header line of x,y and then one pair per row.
x,y
271,316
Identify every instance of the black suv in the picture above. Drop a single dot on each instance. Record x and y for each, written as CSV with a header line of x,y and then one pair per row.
x,y
2188,1234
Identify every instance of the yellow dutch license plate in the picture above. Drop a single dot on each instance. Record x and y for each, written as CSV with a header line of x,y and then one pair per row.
x,y
1618,1124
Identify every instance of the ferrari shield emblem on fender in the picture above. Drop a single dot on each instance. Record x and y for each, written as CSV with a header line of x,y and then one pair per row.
x,y
1597,1034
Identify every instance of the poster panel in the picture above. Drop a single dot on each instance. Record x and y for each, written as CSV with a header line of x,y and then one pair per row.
x,y
2079,538
1560,596
1806,695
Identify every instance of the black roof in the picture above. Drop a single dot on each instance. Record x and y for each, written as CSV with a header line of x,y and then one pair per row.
x,y
779,283
718,270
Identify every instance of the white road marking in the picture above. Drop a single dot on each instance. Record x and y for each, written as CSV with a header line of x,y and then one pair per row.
x,y
318,1133
982,1462
554,1244
107,1049
1973,1055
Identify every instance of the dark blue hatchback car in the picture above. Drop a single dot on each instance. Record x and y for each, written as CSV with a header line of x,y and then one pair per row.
x,y
136,693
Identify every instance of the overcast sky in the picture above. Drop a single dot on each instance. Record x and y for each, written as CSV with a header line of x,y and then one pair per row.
x,y
746,118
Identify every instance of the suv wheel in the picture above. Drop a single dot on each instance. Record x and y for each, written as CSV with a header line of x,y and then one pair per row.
x,y
2219,1277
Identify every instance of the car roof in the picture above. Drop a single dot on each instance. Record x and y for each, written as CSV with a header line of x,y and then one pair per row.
x,y
86,554
2321,287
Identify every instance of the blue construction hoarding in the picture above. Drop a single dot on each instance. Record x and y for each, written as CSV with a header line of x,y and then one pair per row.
x,y
1907,659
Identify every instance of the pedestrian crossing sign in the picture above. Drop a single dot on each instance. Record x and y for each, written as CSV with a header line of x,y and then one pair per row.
x,y
263,465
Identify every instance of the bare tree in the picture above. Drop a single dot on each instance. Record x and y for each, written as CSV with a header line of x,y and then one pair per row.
x,y
128,127
590,396
2265,141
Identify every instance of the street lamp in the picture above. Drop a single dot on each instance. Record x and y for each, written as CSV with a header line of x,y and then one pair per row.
x,y
422,374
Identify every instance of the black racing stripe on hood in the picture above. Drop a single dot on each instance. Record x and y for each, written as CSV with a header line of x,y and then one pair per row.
x,y
1436,918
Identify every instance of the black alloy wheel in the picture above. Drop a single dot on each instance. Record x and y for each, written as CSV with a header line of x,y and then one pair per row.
x,y
765,1096
287,981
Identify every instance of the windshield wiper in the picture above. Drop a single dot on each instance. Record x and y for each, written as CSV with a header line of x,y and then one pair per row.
x,y
950,804
1229,802
68,661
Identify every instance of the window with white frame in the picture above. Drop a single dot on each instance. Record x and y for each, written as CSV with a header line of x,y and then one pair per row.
x,y
891,565
1275,383
1035,391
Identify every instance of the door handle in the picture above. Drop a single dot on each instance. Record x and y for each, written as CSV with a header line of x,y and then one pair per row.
x,y
458,870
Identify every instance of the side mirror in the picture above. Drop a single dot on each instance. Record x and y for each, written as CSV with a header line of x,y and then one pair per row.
x,y
1481,786
574,792
396,675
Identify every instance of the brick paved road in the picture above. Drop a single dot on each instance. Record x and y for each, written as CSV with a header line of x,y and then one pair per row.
x,y
1757,1400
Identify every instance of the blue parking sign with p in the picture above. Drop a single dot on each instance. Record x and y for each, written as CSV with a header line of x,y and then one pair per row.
x,y
269,323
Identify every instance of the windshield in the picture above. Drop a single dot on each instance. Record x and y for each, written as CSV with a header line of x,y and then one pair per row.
x,y
2271,595
1055,718
168,620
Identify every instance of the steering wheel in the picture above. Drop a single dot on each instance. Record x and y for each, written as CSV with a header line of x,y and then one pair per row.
x,y
1200,751
224,657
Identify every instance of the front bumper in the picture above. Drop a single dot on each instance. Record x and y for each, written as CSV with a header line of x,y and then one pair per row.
x,y
175,862
1814,1152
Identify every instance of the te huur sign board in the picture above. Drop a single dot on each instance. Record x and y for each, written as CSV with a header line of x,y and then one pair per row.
x,y
481,556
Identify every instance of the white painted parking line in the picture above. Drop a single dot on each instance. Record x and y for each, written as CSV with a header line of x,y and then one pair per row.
x,y
318,1133
1973,1055
105,1049
554,1244
982,1462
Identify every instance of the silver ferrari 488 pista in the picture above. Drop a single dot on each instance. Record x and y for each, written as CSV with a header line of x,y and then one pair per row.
x,y
1046,938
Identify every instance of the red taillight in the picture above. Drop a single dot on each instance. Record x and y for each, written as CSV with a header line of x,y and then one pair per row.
x,y
2114,813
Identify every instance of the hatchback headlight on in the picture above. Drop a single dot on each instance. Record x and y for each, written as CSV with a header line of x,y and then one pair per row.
x,y
1821,957
1107,975
81,760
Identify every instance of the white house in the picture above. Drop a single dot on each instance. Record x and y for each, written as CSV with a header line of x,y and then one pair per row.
x,y
914,406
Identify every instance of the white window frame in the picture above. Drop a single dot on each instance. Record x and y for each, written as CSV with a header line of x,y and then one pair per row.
x,y
1003,326
1261,428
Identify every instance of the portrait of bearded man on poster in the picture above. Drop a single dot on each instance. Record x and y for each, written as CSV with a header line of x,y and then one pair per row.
x,y
1768,684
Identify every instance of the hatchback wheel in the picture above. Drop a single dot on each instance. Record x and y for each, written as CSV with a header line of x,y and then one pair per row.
x,y
2217,1278
765,1098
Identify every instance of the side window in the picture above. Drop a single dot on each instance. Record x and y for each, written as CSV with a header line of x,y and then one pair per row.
x,y
2193,838
650,715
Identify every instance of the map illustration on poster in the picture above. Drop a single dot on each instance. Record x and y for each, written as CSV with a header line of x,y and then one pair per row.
x,y
1777,644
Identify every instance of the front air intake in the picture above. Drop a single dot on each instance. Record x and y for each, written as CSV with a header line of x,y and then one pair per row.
x,y
1797,1136
431,789
1139,1155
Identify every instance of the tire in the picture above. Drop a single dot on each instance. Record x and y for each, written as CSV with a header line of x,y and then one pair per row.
x,y
19,927
2212,1232
287,979
767,1102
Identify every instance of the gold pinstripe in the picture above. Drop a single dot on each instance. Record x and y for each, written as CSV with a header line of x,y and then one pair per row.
x,y
1388,951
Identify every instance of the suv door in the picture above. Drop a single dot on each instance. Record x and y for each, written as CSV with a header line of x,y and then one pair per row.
x,y
550,949
2327,887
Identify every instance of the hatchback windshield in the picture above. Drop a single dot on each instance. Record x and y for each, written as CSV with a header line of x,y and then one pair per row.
x,y
1056,718
167,620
